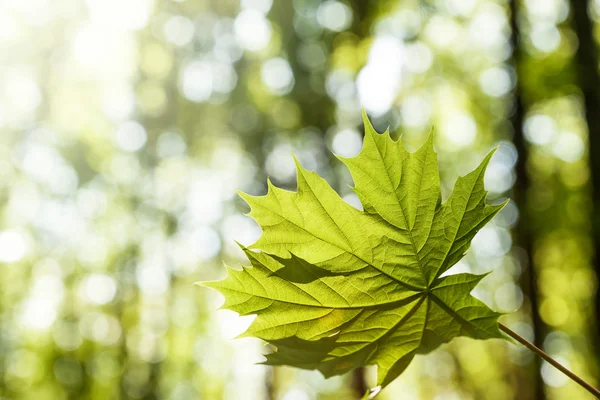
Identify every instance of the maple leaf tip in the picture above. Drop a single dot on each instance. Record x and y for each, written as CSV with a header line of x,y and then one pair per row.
x,y
299,166
208,284
429,139
367,122
244,196
241,246
489,155
364,113
427,144
243,335
301,171
339,157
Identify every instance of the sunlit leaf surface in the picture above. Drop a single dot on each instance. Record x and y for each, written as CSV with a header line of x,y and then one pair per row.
x,y
336,288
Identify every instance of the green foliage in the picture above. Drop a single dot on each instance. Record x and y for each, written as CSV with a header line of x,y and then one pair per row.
x,y
335,288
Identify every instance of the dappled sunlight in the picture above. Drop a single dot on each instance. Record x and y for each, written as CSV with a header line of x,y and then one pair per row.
x,y
127,127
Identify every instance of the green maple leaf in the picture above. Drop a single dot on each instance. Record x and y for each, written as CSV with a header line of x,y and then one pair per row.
x,y
335,288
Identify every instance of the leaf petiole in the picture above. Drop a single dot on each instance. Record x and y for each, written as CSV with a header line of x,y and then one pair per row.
x,y
549,359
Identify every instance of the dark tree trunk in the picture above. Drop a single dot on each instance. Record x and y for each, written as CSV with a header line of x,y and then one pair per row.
x,y
359,385
523,233
589,82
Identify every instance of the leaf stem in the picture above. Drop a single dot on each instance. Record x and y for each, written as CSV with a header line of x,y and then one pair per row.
x,y
549,359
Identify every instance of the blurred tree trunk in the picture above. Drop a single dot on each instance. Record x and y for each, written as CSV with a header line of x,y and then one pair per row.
x,y
359,384
523,233
589,82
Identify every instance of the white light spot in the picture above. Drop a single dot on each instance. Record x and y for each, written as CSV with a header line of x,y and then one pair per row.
x,y
224,77
152,280
204,199
170,144
231,324
227,49
491,241
23,92
92,202
460,129
10,28
495,82
461,8
125,168
38,313
441,31
277,75
418,57
347,143
207,242
197,81
262,6
100,328
179,30
557,342
415,111
130,136
568,147
489,26
405,23
334,15
508,297
555,11
97,288
506,154
545,37
12,246
340,85
125,14
296,394
252,30
540,129
499,177
280,163
379,81
118,102
552,376
241,229
103,53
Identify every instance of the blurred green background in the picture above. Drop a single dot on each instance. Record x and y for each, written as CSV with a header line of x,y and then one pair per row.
x,y
126,127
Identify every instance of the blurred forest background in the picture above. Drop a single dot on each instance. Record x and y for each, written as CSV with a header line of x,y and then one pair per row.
x,y
127,125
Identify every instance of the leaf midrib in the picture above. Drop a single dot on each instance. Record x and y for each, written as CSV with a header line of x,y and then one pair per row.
x,y
406,300
462,321
406,222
